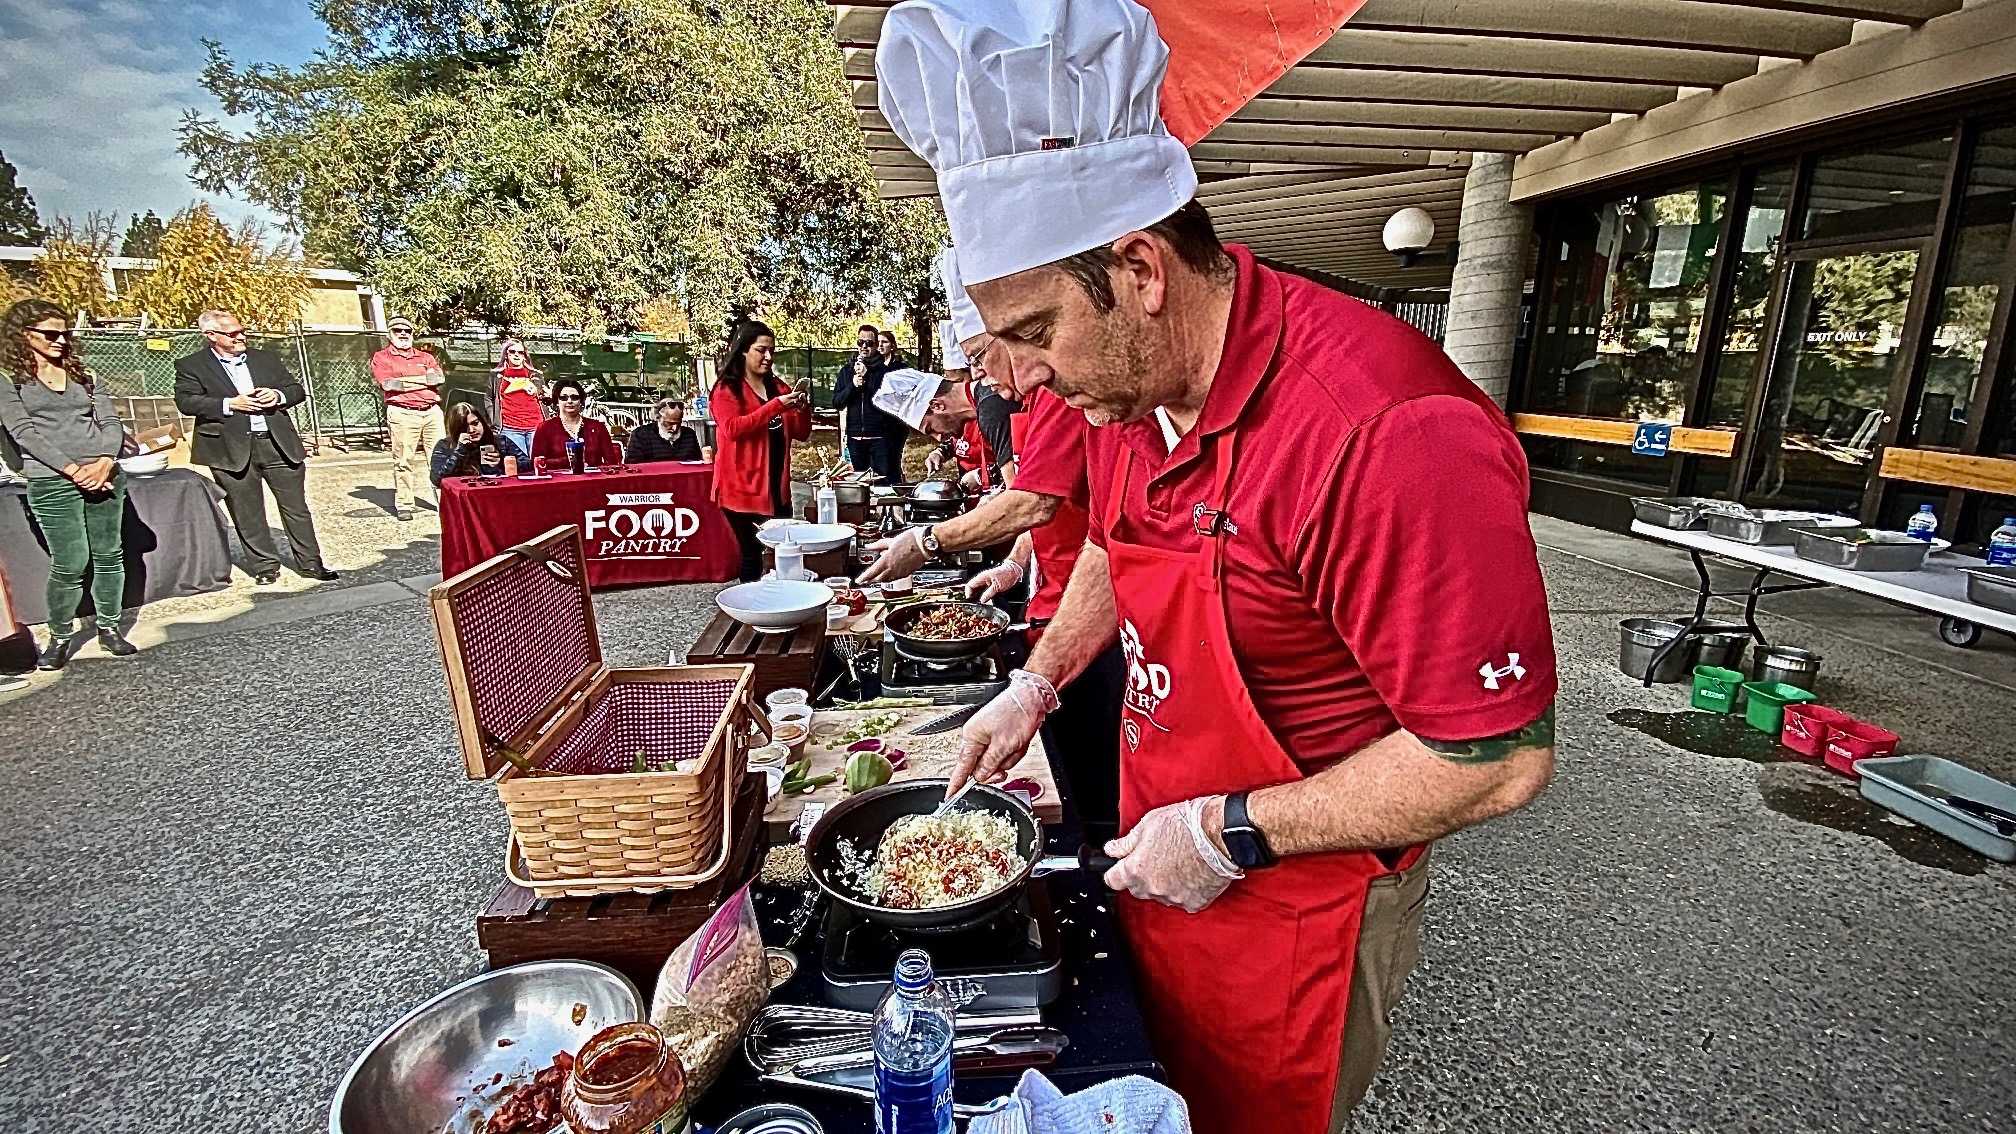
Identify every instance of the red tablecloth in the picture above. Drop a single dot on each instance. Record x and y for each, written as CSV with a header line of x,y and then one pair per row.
x,y
650,523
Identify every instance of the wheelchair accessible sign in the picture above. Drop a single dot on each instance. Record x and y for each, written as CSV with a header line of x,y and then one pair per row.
x,y
1652,439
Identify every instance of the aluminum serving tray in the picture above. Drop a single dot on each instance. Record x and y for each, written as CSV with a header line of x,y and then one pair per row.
x,y
1920,789
1768,527
1860,549
1676,512
1992,587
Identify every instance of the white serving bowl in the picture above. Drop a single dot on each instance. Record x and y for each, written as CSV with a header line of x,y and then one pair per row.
x,y
810,538
145,464
775,605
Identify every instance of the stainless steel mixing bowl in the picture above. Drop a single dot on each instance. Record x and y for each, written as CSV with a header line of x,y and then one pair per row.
x,y
438,1061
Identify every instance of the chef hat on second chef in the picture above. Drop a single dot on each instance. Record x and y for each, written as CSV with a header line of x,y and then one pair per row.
x,y
907,394
965,317
1042,119
948,345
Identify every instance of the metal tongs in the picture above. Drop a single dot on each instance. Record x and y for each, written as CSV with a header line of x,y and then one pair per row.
x,y
830,1049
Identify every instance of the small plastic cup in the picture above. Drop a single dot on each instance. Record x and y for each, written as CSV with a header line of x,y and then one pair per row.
x,y
781,698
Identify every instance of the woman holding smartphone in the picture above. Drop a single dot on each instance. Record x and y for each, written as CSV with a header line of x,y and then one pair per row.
x,y
65,437
757,417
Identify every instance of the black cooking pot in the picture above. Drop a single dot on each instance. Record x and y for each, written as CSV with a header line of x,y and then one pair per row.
x,y
861,820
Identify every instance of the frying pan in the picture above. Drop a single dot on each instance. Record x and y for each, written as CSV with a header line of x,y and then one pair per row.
x,y
901,619
862,819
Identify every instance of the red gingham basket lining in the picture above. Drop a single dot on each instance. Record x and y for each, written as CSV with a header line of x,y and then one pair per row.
x,y
665,720
524,636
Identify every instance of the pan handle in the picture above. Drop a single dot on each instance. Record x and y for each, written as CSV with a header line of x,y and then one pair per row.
x,y
1089,858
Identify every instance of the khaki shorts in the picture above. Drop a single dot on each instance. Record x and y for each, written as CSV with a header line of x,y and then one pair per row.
x,y
1389,946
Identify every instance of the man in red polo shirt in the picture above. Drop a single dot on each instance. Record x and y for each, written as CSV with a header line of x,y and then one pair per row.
x,y
410,379
1308,536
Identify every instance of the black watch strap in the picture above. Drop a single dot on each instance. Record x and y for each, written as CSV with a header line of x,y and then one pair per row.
x,y
1247,846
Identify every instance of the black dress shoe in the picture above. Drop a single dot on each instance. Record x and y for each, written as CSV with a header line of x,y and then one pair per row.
x,y
267,578
55,655
116,644
323,574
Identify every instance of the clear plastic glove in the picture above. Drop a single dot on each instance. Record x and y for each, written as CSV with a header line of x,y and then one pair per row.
x,y
971,481
998,579
897,557
998,736
934,460
1159,861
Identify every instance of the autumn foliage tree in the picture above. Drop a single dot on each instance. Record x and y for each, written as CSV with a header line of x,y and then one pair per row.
x,y
203,263
71,270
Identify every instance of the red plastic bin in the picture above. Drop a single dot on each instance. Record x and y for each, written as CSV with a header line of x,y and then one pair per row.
x,y
1807,727
1853,740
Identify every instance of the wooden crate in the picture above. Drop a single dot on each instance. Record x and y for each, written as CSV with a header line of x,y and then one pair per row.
x,y
781,661
632,933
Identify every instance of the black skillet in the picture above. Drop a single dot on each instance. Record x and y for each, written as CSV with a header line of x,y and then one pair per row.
x,y
861,820
901,619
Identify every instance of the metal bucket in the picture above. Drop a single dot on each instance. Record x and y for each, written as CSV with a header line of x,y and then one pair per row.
x,y
1720,644
1786,665
1640,638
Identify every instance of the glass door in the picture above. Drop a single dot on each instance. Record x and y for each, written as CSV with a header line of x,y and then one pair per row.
x,y
1838,356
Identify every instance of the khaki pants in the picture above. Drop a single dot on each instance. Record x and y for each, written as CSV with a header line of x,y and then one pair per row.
x,y
413,430
1389,946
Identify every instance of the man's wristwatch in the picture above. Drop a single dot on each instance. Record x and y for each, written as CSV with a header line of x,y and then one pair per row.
x,y
1243,841
930,542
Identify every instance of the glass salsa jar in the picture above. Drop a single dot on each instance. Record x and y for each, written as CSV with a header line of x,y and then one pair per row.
x,y
627,1080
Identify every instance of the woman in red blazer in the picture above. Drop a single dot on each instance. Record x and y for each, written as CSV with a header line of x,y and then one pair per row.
x,y
550,439
756,417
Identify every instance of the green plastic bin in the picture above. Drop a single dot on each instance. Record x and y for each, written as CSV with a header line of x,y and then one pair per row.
x,y
1765,701
1715,688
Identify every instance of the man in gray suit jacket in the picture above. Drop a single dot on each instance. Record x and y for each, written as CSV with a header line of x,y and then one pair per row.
x,y
240,399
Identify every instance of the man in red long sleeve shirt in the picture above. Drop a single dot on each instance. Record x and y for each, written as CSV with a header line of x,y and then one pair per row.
x,y
410,379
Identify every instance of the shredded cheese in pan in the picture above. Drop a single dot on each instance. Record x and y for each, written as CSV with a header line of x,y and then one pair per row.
x,y
924,862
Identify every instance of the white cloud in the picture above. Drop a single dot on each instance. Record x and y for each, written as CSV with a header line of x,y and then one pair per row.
x,y
92,100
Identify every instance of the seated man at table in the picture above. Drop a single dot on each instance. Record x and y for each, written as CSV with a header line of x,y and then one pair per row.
x,y
551,440
667,439
472,448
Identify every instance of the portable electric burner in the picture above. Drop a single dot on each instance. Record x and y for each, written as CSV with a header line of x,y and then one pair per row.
x,y
904,675
1014,959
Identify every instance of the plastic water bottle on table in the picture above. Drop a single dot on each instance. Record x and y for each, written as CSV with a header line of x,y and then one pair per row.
x,y
2002,544
913,1033
1923,525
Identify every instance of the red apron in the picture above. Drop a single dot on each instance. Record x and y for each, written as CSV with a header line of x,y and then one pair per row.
x,y
1247,998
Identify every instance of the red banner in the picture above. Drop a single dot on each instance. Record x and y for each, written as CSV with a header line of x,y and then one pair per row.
x,y
1223,52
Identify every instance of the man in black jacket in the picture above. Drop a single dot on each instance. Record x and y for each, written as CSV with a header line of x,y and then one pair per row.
x,y
240,399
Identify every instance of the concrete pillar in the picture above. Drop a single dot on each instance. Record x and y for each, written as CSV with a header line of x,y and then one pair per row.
x,y
1491,249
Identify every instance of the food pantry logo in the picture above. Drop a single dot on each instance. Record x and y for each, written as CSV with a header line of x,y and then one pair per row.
x,y
1148,684
639,525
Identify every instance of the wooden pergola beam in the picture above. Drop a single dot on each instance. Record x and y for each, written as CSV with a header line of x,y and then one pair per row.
x,y
1743,29
1451,54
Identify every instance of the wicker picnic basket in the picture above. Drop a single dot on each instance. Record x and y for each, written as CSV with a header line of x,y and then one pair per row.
x,y
564,736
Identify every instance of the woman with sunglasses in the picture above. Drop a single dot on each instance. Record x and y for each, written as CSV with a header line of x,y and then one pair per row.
x,y
472,448
756,417
551,438
519,393
65,436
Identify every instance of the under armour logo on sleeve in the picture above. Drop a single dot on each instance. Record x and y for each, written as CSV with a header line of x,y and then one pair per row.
x,y
1512,669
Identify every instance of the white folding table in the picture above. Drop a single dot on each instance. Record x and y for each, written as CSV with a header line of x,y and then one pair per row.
x,y
1938,588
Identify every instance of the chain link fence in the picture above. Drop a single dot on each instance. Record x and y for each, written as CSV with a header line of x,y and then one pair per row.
x,y
345,410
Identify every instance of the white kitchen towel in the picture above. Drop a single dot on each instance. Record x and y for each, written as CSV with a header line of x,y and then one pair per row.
x,y
1132,1105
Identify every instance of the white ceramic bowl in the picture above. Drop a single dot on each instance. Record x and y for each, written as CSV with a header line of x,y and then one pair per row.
x,y
146,464
811,538
775,605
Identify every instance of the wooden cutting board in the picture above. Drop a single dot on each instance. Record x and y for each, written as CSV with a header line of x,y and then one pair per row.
x,y
930,756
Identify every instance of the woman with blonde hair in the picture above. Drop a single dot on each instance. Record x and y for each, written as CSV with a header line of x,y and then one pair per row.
x,y
519,393
65,437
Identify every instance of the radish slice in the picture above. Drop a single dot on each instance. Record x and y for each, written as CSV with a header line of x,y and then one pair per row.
x,y
872,744
1026,786
896,757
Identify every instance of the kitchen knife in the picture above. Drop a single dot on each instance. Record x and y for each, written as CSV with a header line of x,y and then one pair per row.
x,y
948,722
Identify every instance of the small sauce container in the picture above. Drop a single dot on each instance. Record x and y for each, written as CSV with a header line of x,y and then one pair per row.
x,y
837,616
627,1080
792,735
769,756
782,698
898,588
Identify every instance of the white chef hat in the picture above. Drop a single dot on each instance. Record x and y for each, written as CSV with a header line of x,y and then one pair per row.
x,y
907,394
965,317
1042,119
948,346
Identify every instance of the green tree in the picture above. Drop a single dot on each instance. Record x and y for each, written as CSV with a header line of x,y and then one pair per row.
x,y
526,163
143,236
20,223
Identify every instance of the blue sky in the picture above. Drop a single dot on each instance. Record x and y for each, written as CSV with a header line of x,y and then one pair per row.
x,y
91,92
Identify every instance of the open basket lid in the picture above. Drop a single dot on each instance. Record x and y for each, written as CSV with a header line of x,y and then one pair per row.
x,y
518,640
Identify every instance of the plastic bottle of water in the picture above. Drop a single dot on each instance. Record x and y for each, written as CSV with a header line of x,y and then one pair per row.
x,y
1924,525
2002,545
828,504
914,1026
